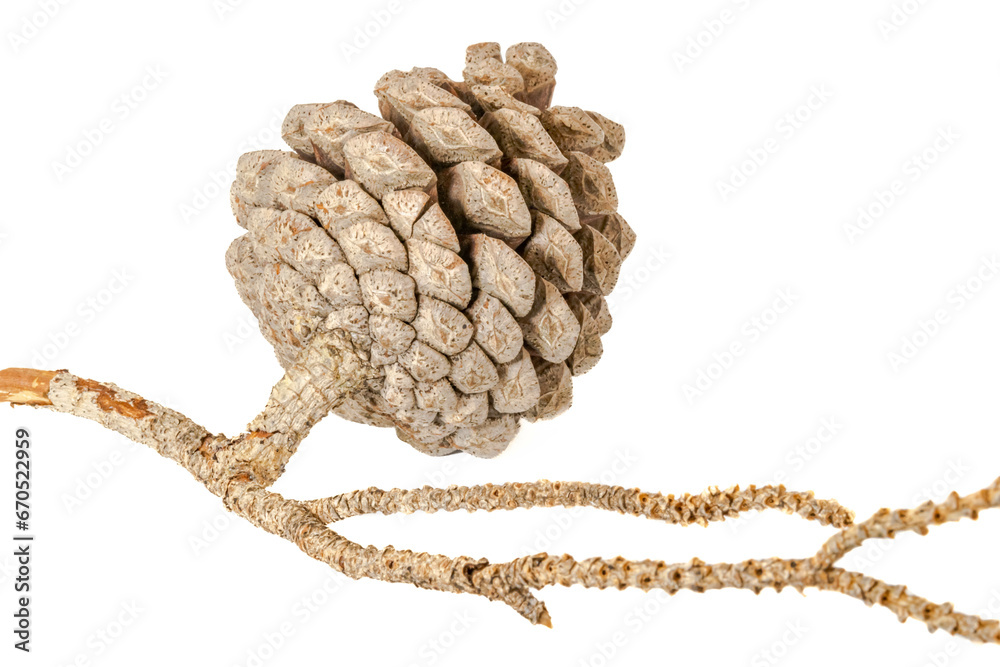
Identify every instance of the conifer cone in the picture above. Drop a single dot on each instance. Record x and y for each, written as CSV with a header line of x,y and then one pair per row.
x,y
464,241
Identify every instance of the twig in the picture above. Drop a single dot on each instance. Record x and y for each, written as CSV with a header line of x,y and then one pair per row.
x,y
712,505
239,469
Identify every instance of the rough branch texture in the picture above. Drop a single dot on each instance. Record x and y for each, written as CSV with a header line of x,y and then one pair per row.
x,y
239,469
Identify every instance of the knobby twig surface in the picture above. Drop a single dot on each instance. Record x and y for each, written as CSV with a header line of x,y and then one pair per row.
x,y
240,469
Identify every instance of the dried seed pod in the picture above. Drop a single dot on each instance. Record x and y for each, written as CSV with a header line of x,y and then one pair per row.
x,y
472,372
538,71
493,72
397,387
590,181
572,129
437,396
488,439
500,272
379,356
276,179
318,132
546,191
353,319
554,254
517,390
555,382
550,328
614,139
439,272
339,284
434,227
445,136
478,196
432,449
476,52
588,349
404,208
295,239
389,293
402,95
438,78
366,408
614,228
601,262
392,333
442,326
470,410
496,330
416,421
424,363
596,304
521,134
369,245
462,243
492,98
343,203
429,434
382,163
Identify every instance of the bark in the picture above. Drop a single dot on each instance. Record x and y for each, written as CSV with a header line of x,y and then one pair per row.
x,y
240,469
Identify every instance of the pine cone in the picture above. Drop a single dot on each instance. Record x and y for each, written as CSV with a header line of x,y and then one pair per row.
x,y
464,241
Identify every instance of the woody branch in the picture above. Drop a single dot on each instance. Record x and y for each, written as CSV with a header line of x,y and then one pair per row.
x,y
239,469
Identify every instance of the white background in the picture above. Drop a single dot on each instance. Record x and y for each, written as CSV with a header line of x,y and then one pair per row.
x,y
117,526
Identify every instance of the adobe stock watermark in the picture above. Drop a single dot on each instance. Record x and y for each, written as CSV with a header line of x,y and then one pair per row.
x,y
445,469
85,313
956,300
372,28
898,17
33,23
750,333
797,458
303,610
560,12
708,33
935,491
224,8
634,622
97,475
938,489
641,272
786,128
910,172
952,648
218,181
121,108
209,532
778,650
246,327
448,468
436,647
101,640
563,519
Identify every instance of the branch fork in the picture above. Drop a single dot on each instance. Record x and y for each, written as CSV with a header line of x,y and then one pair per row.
x,y
239,470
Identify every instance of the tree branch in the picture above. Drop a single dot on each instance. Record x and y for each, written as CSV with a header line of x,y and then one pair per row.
x,y
712,505
238,470
228,469
886,524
